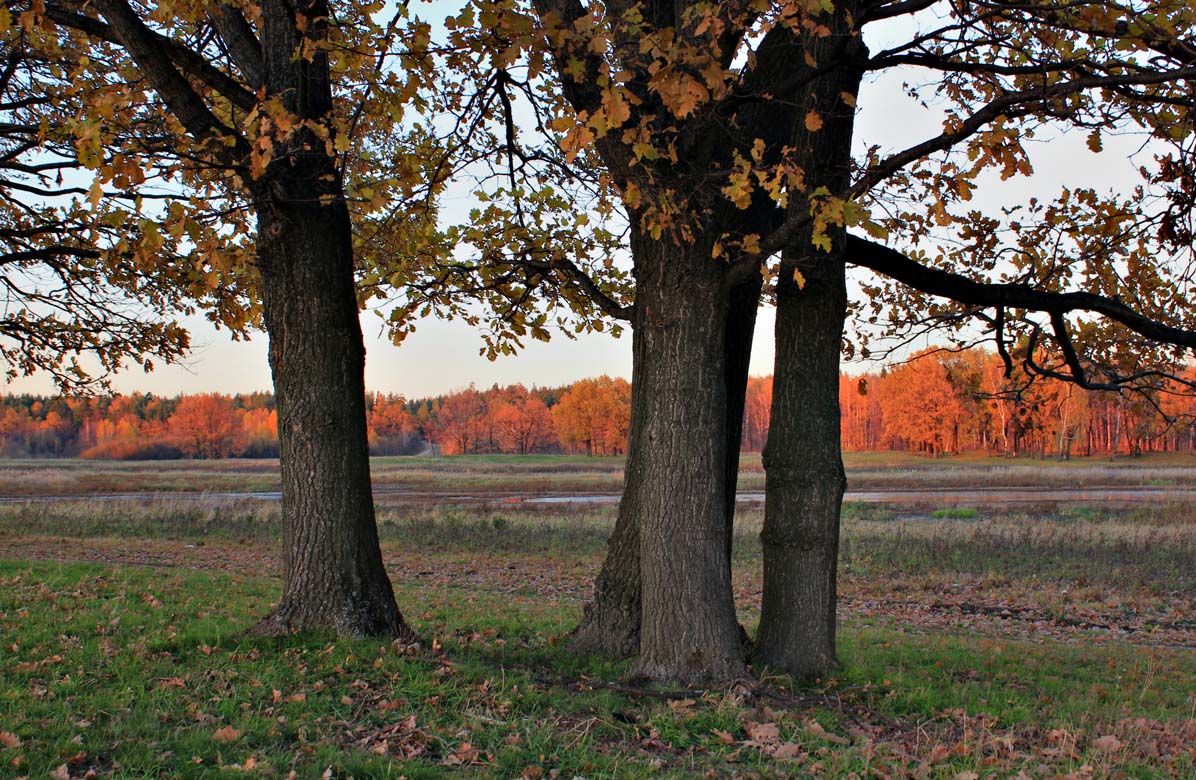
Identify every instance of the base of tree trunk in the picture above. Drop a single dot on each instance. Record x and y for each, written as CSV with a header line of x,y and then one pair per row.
x,y
280,623
696,670
804,664
610,624
606,631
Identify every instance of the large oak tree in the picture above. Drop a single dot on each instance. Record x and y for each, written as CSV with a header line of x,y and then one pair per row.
x,y
260,128
726,130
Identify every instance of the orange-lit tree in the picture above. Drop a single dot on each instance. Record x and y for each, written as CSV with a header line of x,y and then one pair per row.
x,y
207,426
522,425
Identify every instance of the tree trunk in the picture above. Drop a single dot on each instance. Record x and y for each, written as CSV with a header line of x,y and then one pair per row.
x,y
610,624
688,629
804,480
804,474
333,575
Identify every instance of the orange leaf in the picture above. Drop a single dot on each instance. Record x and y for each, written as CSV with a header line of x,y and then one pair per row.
x,y
813,121
227,734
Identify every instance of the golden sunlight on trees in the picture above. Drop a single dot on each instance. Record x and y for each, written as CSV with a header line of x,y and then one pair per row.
x,y
207,426
593,416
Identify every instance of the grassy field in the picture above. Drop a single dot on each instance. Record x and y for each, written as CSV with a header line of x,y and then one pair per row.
x,y
556,473
1042,643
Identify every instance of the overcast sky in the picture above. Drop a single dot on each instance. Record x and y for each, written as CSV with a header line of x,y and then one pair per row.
x,y
443,356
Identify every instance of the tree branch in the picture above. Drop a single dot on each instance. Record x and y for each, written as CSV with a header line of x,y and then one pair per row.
x,y
243,45
188,61
945,284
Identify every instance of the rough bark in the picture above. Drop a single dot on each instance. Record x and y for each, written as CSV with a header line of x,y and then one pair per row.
x,y
610,624
804,480
333,575
688,630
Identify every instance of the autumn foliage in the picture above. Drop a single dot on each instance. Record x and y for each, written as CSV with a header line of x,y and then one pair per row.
x,y
938,403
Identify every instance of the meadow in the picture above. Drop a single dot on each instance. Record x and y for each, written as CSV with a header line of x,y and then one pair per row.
x,y
1052,640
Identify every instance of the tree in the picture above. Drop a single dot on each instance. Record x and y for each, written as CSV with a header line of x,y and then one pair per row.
x,y
726,132
522,425
593,414
391,425
921,407
757,406
207,426
460,422
246,122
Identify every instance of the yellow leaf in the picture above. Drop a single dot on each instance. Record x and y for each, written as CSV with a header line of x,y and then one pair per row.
x,y
799,280
96,193
813,121
618,110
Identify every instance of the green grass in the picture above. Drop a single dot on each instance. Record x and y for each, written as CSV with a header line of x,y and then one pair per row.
x,y
955,513
138,672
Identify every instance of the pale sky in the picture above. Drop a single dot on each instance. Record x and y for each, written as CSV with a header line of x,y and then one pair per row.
x,y
443,356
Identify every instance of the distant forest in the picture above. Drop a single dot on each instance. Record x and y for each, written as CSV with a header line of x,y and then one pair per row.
x,y
938,403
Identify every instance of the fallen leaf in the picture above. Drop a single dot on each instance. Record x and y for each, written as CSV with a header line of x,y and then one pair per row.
x,y
9,740
788,751
763,733
227,734
815,729
724,737
1108,744
61,773
938,753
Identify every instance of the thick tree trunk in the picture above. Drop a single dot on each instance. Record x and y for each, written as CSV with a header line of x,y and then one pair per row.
x,y
610,624
804,480
333,575
688,630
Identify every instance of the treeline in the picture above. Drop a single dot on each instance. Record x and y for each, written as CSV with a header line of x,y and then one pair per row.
x,y
942,403
588,417
936,404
